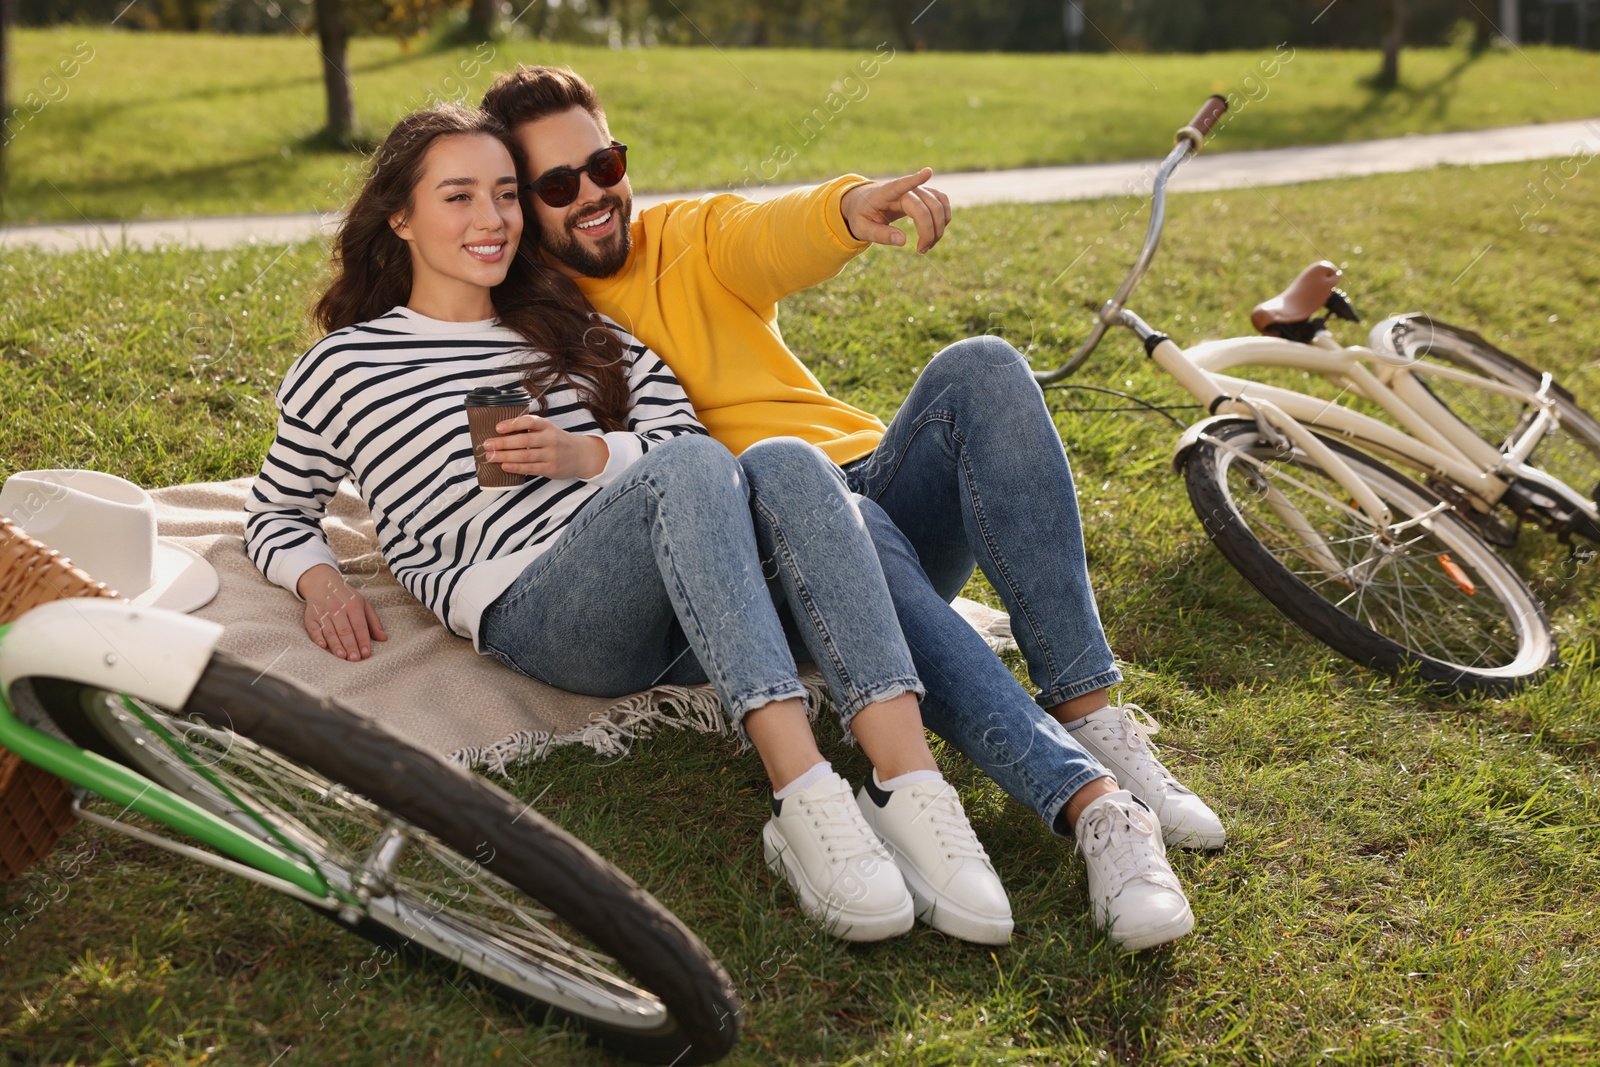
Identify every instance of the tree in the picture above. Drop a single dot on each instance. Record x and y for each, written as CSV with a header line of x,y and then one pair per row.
x,y
1483,26
902,17
334,39
1394,35
481,19
189,15
5,99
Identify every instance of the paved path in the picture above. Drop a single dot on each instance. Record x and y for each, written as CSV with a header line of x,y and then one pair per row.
x,y
1222,170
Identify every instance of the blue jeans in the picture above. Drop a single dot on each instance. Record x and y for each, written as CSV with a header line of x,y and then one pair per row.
x,y
674,575
972,474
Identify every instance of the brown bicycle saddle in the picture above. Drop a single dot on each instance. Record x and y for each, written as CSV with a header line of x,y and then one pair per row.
x,y
1304,298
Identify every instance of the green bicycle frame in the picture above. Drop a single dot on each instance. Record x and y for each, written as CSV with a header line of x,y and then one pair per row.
x,y
121,785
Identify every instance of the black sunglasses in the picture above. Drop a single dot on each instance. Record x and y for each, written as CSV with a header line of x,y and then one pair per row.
x,y
558,187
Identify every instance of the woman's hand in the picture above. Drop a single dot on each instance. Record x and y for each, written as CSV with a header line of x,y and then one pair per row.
x,y
338,618
544,449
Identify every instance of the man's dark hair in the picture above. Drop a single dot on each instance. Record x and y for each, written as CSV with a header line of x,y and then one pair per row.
x,y
529,94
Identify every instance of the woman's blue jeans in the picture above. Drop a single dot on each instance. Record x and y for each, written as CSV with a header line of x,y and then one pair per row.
x,y
972,474
674,575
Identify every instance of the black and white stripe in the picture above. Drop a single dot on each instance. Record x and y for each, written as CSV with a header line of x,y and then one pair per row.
x,y
382,403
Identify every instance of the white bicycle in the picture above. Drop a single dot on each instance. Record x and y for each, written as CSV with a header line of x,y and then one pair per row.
x,y
1394,570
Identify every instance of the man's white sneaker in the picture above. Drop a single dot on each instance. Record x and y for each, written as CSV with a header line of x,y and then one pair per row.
x,y
949,874
1132,889
818,840
1121,741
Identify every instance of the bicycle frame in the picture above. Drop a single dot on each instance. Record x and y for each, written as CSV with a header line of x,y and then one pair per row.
x,y
1429,438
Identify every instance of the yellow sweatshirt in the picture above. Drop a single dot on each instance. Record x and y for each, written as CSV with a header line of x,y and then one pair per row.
x,y
701,287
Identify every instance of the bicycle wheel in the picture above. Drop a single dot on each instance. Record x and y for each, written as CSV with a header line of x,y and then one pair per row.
x,y
1570,452
1435,595
481,880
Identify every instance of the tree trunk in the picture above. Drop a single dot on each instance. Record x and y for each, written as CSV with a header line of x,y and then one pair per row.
x,y
1072,24
1483,27
334,39
189,15
1511,21
5,98
1394,36
482,18
902,18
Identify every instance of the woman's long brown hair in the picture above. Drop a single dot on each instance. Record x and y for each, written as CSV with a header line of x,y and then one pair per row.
x,y
372,272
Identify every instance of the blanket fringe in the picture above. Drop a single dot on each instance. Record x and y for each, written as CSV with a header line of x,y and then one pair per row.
x,y
676,707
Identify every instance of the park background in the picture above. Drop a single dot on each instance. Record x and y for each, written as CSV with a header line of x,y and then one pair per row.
x,y
1409,878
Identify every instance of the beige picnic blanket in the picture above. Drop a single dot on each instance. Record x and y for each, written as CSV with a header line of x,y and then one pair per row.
x,y
424,683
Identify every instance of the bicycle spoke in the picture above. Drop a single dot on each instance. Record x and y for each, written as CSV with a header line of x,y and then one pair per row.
x,y
1406,594
436,888
1565,451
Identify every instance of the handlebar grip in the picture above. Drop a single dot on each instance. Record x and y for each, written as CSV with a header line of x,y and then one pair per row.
x,y
1208,114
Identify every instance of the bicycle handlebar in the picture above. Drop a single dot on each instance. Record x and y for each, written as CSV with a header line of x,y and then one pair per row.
x,y
1209,113
1111,314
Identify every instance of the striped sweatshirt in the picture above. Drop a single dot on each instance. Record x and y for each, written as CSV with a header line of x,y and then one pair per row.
x,y
381,402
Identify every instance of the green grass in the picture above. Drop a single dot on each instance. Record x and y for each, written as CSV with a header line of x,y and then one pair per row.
x,y
1409,879
159,125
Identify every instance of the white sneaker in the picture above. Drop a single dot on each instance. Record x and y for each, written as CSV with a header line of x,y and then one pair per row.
x,y
1121,741
1132,889
818,840
949,874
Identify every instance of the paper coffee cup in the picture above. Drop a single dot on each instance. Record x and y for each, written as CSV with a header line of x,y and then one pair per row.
x,y
486,407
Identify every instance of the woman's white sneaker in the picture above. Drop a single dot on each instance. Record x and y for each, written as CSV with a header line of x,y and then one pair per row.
x,y
1132,889
1118,739
844,878
956,889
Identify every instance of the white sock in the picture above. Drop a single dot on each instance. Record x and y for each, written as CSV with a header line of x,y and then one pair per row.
x,y
817,773
908,778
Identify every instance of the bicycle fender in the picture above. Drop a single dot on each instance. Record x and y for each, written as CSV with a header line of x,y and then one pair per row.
x,y
1191,437
150,653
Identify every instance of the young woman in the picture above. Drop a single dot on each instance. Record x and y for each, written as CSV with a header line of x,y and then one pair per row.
x,y
638,551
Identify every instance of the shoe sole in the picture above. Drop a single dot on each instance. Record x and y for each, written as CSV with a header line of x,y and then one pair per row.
x,y
837,921
947,917
1178,927
1185,837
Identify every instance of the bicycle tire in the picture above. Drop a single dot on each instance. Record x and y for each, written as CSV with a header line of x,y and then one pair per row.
x,y
1570,452
1462,642
237,722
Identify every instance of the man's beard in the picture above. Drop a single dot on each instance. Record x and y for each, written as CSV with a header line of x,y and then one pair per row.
x,y
565,247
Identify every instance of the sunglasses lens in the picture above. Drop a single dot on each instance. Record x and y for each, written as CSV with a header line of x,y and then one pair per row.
x,y
608,166
558,189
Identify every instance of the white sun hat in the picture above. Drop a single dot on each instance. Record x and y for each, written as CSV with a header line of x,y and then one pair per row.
x,y
107,526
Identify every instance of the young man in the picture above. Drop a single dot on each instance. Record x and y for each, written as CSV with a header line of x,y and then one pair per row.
x,y
969,473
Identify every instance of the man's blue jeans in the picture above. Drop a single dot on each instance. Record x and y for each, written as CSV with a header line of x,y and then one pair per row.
x,y
674,573
972,474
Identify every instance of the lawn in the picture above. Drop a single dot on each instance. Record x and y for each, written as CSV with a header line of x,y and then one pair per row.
x,y
1409,879
162,125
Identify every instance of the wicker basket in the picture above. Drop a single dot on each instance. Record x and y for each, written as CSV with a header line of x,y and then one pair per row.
x,y
35,807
